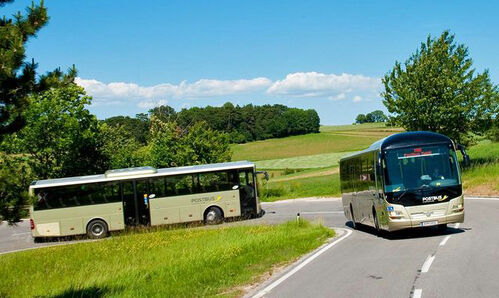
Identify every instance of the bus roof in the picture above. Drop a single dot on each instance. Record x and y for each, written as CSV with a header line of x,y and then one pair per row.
x,y
404,139
142,172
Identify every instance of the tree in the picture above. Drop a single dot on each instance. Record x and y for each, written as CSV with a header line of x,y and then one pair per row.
x,y
61,135
163,113
15,178
438,90
17,77
120,147
137,127
172,146
361,118
376,116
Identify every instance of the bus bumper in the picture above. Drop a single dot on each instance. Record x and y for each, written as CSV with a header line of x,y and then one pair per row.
x,y
400,224
429,215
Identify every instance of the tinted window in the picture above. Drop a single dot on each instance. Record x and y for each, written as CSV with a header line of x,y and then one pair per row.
x,y
219,181
418,167
77,195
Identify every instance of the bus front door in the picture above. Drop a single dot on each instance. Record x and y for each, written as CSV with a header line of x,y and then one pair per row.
x,y
136,202
247,192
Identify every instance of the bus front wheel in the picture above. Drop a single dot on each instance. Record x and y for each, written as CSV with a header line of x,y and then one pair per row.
x,y
97,229
213,216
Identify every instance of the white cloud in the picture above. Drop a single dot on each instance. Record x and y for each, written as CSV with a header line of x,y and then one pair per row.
x,y
337,97
295,85
149,104
314,84
357,98
198,89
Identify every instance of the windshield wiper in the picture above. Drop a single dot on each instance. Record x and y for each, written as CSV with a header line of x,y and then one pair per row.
x,y
400,196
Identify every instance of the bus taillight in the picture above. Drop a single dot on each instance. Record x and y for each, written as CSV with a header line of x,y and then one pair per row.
x,y
32,223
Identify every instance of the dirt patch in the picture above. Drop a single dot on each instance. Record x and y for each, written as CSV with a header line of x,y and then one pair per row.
x,y
482,190
240,291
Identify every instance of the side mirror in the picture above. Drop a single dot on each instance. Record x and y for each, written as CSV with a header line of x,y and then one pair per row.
x,y
265,174
466,157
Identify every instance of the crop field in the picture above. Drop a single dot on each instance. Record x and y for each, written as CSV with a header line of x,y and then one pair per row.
x,y
331,139
303,162
166,263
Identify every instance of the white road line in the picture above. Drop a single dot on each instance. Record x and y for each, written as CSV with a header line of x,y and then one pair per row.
x,y
322,212
417,293
442,243
427,264
19,234
301,265
482,198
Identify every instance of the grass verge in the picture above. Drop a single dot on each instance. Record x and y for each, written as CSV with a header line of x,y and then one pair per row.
x,y
482,177
184,262
320,186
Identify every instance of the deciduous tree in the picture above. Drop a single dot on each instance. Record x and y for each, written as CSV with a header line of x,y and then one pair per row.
x,y
18,77
437,89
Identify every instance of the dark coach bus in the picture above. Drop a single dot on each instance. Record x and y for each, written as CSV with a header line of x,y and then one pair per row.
x,y
406,180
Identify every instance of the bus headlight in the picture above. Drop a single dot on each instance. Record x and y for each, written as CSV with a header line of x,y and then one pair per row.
x,y
396,214
457,208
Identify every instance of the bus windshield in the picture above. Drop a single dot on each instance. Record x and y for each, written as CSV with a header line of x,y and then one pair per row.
x,y
422,167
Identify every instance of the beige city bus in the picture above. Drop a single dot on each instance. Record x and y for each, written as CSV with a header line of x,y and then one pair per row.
x,y
97,204
406,180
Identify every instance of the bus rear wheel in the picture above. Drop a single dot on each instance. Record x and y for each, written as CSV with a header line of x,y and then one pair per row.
x,y
97,229
213,216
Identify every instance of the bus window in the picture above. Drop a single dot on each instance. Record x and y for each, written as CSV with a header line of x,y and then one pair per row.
x,y
157,186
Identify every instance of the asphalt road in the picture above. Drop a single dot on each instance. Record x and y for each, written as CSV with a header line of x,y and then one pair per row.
x,y
463,261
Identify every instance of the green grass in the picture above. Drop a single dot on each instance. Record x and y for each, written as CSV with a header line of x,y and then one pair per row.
x,y
303,162
331,139
482,177
321,186
166,263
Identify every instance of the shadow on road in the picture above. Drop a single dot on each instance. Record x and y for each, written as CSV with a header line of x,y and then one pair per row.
x,y
408,233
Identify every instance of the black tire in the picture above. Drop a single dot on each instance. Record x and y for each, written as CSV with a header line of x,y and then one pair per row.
x,y
97,229
213,216
354,224
376,222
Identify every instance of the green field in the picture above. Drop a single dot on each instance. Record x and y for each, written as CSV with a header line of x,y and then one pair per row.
x,y
329,140
307,165
166,263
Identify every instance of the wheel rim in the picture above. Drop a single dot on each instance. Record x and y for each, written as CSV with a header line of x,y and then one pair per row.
x,y
97,230
211,216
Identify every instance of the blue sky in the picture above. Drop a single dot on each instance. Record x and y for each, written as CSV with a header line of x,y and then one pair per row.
x,y
325,55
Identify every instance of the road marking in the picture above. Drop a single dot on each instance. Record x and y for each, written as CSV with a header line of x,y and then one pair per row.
x,y
301,265
322,212
442,243
19,234
427,263
482,198
417,293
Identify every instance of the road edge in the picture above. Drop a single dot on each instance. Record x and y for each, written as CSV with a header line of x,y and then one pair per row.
x,y
268,285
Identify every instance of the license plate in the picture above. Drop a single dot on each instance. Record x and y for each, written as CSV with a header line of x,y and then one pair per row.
x,y
429,223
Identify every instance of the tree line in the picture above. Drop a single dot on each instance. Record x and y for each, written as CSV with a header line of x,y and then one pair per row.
x,y
242,123
372,117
